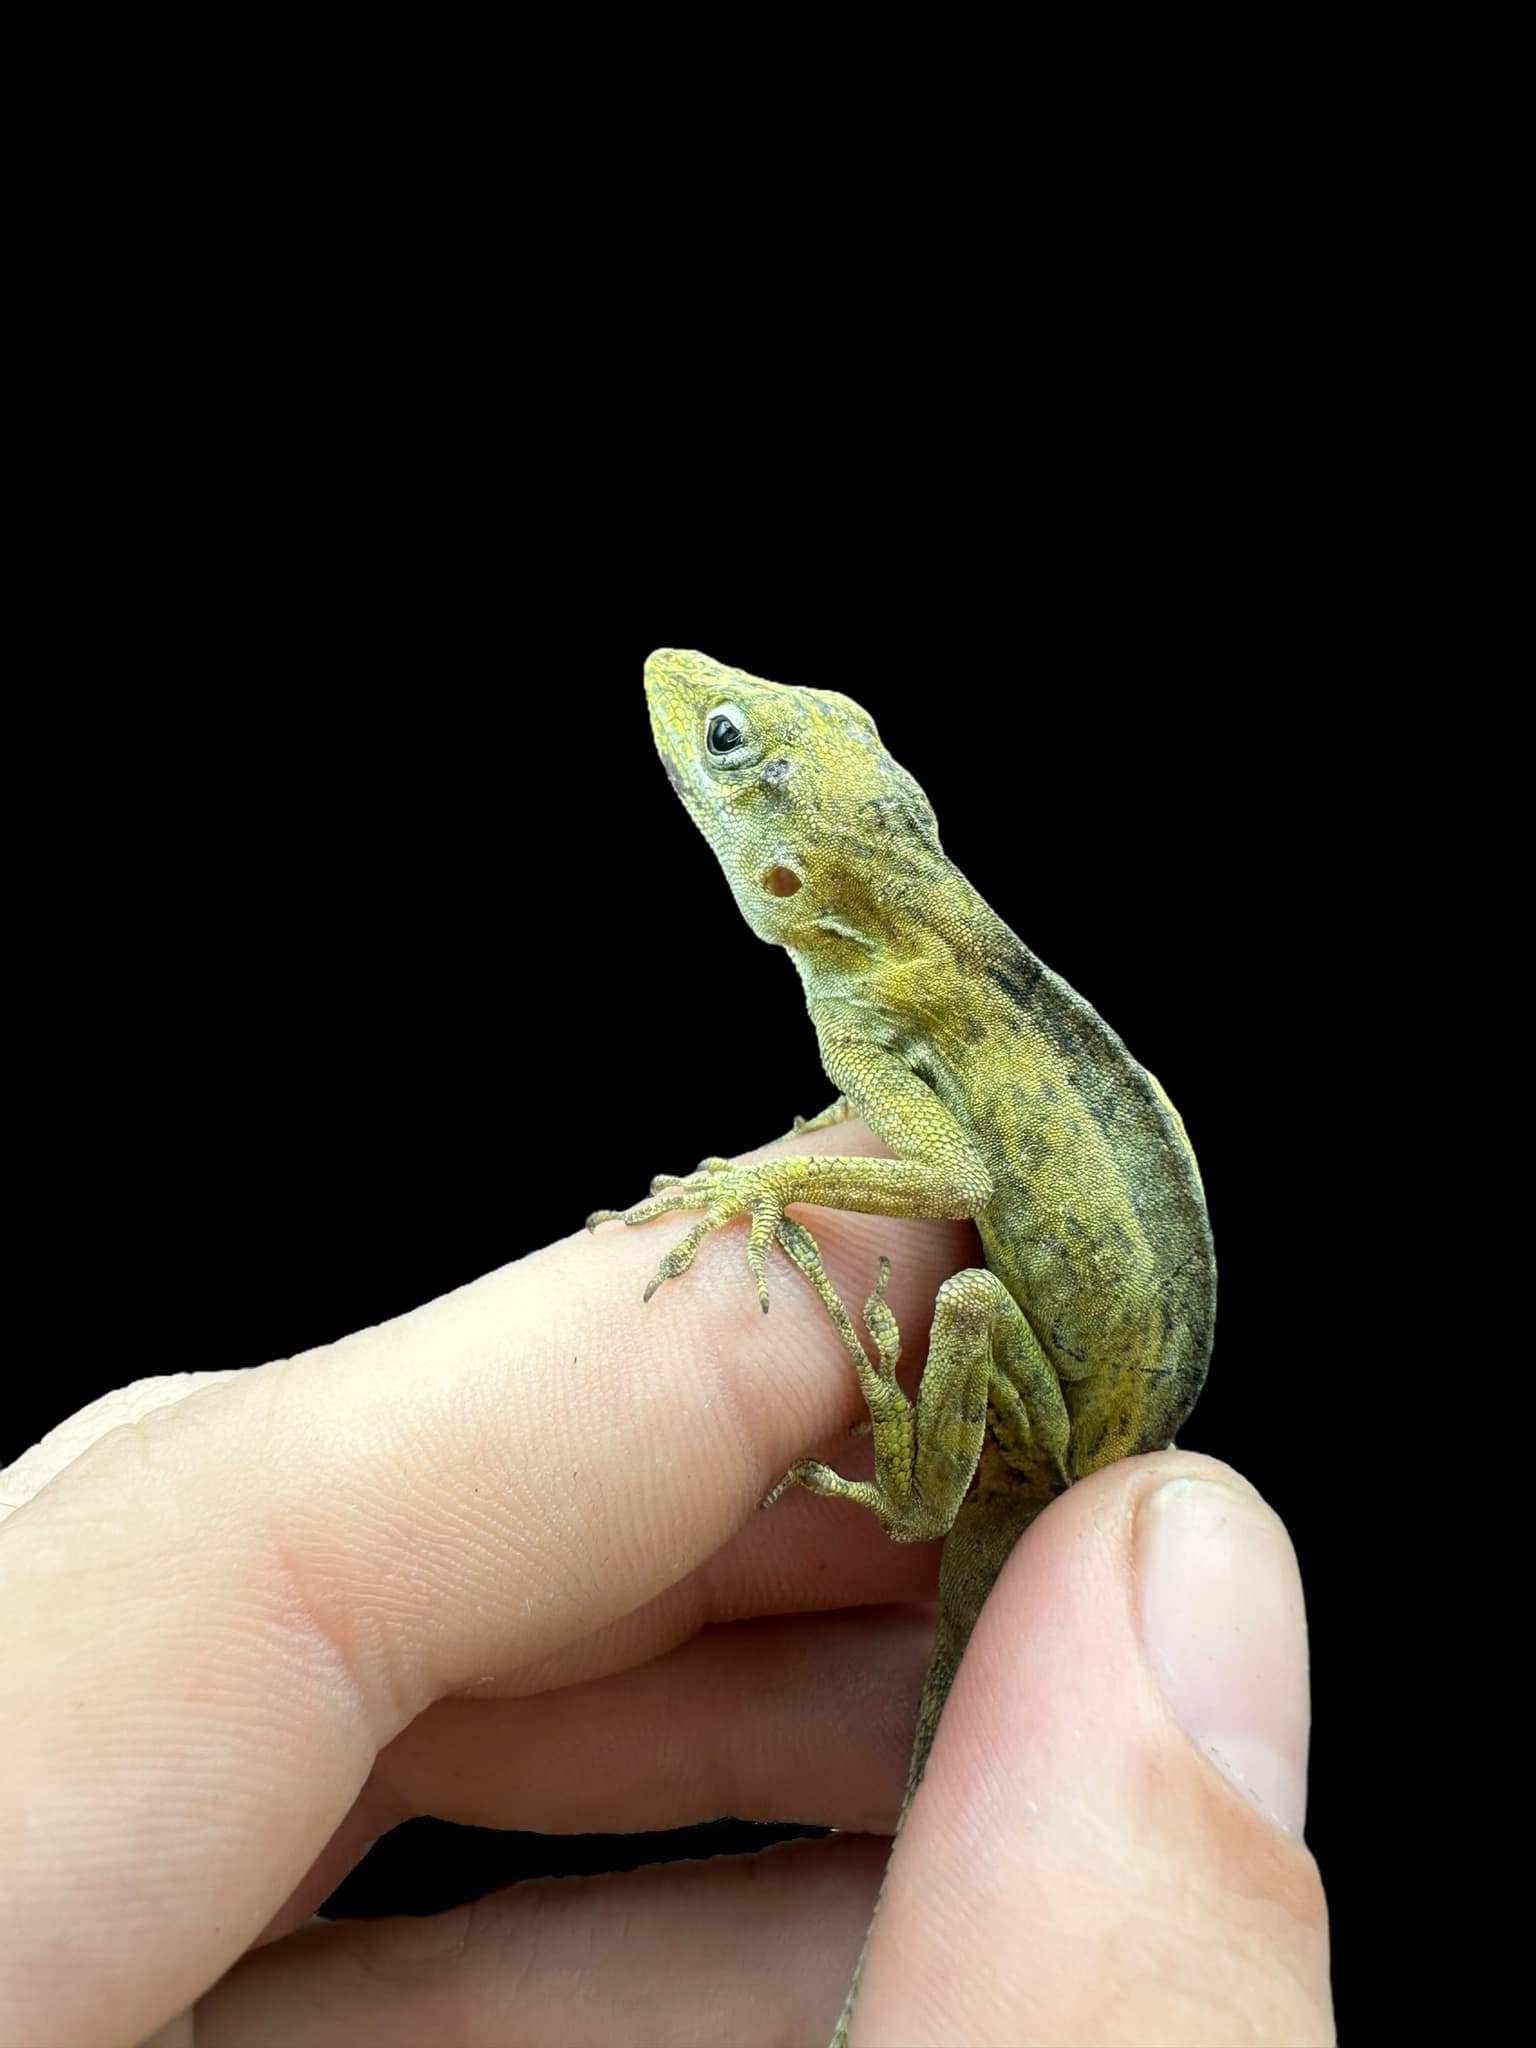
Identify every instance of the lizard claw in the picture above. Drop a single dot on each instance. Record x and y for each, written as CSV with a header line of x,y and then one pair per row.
x,y
767,1215
680,1257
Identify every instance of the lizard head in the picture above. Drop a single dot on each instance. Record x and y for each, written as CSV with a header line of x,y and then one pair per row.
x,y
811,819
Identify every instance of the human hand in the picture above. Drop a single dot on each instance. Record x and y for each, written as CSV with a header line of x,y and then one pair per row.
x,y
498,1561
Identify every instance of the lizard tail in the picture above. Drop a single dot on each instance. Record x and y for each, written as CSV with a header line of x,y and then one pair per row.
x,y
975,1551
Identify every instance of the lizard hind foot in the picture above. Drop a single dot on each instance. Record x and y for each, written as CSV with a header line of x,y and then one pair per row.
x,y
886,1338
881,1324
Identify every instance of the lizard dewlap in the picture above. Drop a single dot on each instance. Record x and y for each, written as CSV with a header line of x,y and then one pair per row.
x,y
1005,1097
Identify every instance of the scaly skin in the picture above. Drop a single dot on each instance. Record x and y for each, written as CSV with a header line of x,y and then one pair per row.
x,y
1005,1098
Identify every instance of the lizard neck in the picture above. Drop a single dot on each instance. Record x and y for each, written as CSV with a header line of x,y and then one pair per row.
x,y
915,959
910,908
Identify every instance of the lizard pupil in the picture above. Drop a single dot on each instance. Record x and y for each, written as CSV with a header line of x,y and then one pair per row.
x,y
722,736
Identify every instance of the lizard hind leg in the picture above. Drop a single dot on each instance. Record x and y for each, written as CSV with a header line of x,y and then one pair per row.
x,y
878,1381
983,1359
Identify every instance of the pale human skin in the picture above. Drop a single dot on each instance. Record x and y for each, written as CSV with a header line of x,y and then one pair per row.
x,y
500,1561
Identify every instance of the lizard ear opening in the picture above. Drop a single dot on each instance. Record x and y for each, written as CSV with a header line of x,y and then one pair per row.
x,y
781,881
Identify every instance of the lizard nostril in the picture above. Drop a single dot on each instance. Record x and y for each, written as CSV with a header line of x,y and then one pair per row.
x,y
781,882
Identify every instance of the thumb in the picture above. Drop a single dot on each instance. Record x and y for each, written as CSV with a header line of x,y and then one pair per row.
x,y
1106,1847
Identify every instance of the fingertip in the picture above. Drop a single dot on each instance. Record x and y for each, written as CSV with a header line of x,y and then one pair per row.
x,y
1223,1623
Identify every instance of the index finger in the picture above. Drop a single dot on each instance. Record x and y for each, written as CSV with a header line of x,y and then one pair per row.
x,y
214,1618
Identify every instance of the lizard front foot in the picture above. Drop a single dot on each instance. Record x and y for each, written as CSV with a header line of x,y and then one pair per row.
x,y
723,1192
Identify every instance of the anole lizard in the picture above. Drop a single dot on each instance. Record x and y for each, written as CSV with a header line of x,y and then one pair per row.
x,y
1005,1098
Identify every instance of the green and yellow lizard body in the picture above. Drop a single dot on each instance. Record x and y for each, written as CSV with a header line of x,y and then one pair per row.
x,y
1005,1098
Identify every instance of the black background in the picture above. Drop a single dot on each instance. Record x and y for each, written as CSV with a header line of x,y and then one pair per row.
x,y
382,923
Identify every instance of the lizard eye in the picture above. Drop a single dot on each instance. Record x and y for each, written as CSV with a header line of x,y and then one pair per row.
x,y
724,731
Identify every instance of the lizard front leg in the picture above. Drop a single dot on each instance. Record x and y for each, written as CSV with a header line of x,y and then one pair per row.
x,y
936,1173
836,1113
